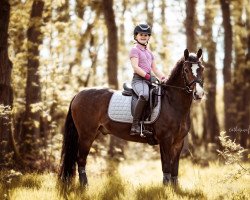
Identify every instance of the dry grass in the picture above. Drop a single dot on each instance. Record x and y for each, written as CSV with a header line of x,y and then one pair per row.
x,y
131,180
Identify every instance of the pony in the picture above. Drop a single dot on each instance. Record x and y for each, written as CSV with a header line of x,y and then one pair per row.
x,y
87,118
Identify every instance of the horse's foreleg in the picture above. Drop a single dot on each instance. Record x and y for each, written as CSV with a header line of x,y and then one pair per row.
x,y
165,147
176,151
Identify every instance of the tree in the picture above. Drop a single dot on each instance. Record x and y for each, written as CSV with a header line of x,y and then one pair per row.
x,y
31,132
191,25
241,71
6,91
227,62
211,129
109,16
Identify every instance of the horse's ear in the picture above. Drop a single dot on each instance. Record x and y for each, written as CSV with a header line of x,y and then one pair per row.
x,y
186,54
199,53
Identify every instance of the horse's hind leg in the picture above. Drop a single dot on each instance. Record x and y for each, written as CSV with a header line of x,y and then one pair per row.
x,y
84,145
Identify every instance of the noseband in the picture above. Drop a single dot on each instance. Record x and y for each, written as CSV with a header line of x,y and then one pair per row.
x,y
188,85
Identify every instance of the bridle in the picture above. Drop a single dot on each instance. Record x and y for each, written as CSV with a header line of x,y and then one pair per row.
x,y
187,84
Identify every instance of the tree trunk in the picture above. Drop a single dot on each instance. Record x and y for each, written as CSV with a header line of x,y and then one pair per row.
x,y
150,12
116,146
112,43
228,45
191,25
6,91
245,140
31,131
165,33
63,12
241,80
211,123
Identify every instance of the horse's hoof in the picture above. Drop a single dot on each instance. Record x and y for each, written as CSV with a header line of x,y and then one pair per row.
x,y
83,179
166,182
174,181
166,178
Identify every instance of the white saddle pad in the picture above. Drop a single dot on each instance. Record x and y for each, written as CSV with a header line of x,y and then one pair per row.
x,y
120,109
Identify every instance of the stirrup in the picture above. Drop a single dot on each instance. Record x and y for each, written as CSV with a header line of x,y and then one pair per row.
x,y
142,134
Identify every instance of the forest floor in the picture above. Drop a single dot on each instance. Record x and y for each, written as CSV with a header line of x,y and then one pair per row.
x,y
133,180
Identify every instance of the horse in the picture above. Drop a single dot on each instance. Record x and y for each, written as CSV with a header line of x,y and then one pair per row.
x,y
87,118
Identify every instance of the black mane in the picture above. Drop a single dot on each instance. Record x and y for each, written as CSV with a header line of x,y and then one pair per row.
x,y
175,71
178,67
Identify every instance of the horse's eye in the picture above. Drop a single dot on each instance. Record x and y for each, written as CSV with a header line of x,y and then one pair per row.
x,y
185,70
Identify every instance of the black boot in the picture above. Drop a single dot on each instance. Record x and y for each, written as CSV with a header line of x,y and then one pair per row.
x,y
136,128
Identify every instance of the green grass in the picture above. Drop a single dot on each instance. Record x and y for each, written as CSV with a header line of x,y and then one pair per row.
x,y
137,180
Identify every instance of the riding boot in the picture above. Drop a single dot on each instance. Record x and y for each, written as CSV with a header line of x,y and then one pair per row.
x,y
136,128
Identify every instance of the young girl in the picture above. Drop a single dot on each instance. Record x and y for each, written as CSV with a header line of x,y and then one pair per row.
x,y
142,61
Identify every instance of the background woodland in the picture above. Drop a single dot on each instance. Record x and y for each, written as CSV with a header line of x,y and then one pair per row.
x,y
51,50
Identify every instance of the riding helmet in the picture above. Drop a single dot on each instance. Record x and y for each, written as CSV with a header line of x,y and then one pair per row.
x,y
142,28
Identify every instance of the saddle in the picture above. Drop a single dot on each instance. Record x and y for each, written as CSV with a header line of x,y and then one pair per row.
x,y
147,113
152,103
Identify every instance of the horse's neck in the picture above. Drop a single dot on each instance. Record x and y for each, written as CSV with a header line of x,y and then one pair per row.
x,y
179,99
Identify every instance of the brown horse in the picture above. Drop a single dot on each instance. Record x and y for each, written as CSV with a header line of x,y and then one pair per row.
x,y
87,118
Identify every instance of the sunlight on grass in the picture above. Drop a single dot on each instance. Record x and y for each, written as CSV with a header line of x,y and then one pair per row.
x,y
131,180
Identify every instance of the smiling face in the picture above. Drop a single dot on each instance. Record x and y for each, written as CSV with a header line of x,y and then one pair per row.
x,y
142,38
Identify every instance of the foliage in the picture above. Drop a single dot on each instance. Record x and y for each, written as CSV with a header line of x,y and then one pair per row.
x,y
232,154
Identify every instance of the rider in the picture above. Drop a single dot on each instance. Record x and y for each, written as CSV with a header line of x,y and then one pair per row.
x,y
143,63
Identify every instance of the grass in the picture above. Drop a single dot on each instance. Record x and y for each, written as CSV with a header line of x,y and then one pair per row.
x,y
137,180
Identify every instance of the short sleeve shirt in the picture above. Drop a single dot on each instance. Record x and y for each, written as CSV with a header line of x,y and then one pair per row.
x,y
145,57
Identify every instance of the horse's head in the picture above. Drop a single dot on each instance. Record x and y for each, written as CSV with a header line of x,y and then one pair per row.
x,y
193,74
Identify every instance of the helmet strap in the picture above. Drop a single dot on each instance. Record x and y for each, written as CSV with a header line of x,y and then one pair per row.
x,y
141,43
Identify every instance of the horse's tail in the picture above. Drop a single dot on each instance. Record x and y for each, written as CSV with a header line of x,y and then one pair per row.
x,y
69,149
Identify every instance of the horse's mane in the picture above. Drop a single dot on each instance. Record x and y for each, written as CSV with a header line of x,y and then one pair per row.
x,y
175,71
178,67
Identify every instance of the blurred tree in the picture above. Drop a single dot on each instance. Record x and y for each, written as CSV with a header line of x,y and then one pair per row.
x,y
31,129
191,26
165,34
6,91
245,141
85,36
116,147
63,11
122,25
241,72
227,62
211,126
19,20
149,8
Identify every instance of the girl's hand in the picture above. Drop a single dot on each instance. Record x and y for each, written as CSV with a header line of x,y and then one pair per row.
x,y
163,79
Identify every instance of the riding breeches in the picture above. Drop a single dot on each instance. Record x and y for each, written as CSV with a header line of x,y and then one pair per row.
x,y
140,87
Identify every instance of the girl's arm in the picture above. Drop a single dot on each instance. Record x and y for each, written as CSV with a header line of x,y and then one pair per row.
x,y
137,69
157,72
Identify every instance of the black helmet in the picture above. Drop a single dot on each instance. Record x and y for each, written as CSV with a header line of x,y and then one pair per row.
x,y
142,28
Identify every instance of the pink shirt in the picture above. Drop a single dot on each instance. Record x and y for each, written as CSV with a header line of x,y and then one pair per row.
x,y
145,57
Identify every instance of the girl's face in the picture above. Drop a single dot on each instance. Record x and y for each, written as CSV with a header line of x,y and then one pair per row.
x,y
142,38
